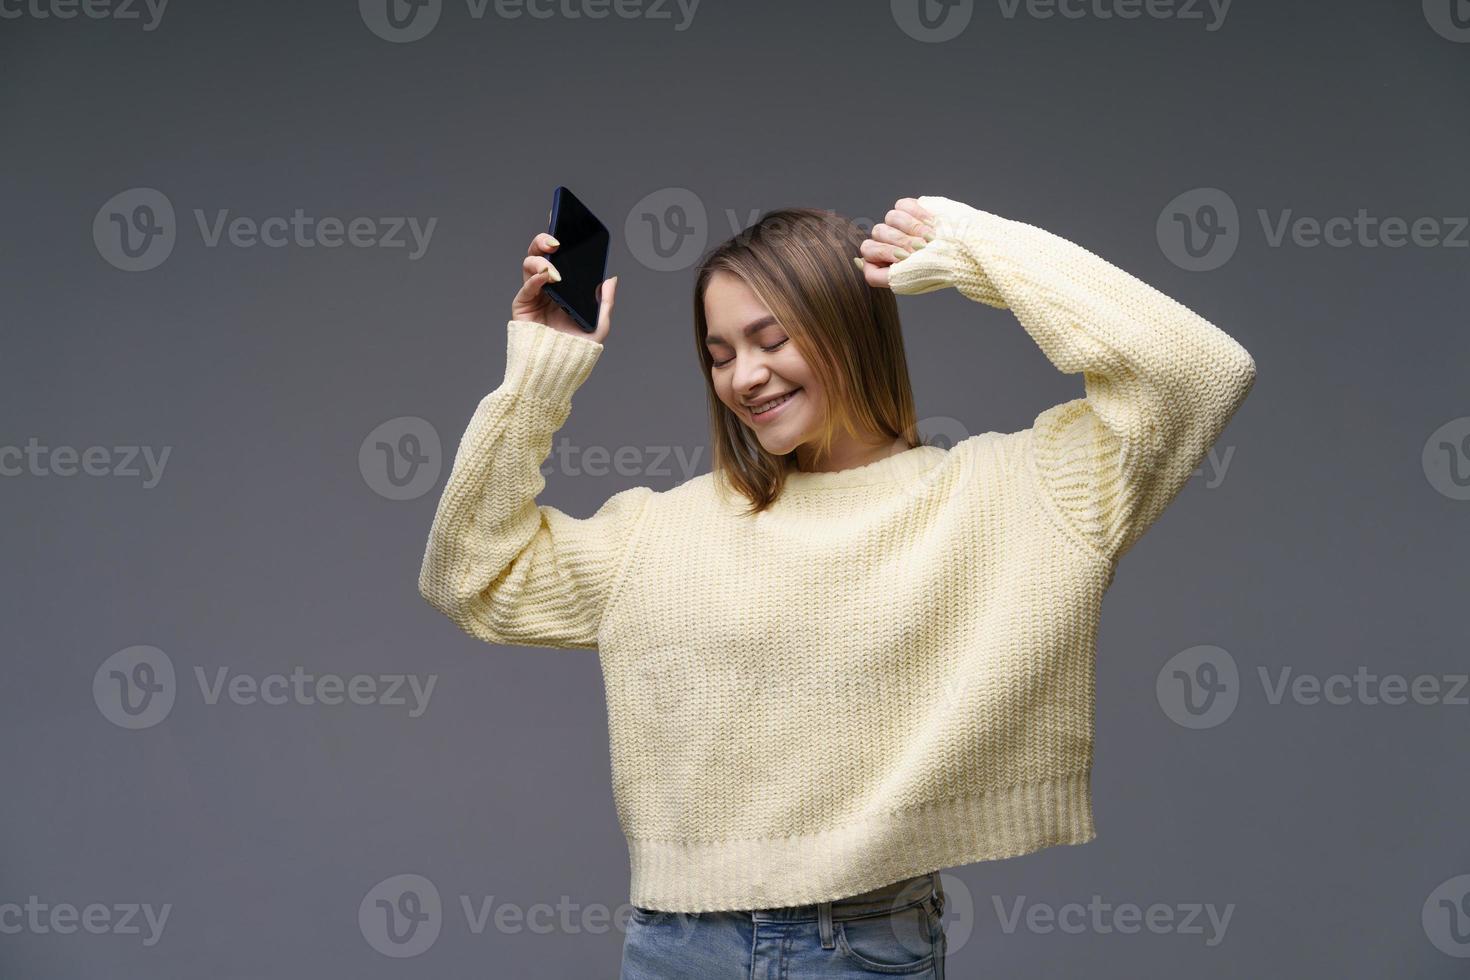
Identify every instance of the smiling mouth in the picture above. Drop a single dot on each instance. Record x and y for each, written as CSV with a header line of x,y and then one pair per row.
x,y
779,400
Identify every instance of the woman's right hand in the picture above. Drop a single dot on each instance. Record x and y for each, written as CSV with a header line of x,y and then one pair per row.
x,y
532,304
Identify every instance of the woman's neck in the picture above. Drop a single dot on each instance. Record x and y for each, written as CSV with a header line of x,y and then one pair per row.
x,y
847,454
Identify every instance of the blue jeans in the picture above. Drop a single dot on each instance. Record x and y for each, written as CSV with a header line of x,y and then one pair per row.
x,y
893,930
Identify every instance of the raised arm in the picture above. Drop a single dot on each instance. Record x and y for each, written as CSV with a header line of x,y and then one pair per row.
x,y
501,567
1161,382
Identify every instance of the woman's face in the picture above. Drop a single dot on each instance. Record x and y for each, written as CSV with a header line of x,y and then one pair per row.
x,y
756,363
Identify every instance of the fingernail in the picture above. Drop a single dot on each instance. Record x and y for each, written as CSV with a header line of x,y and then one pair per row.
x,y
901,253
857,262
553,274
919,243
929,233
552,242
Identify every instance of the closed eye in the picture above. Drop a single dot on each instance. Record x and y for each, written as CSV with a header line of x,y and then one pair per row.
x,y
773,347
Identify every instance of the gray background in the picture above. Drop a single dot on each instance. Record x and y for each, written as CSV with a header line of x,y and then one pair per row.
x,y
265,546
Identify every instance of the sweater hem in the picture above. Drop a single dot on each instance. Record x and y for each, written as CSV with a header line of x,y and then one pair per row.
x,y
758,873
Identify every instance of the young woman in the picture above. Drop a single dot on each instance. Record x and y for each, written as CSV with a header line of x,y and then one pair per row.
x,y
842,660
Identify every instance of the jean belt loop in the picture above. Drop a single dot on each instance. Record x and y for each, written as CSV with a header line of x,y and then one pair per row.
x,y
824,924
938,895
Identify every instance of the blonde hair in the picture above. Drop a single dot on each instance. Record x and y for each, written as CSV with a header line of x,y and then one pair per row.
x,y
798,261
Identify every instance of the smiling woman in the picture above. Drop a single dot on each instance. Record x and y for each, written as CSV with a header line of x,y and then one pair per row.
x,y
884,669
804,360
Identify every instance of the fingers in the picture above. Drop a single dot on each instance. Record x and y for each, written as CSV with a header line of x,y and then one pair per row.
x,y
529,295
542,244
606,293
533,264
915,223
873,275
910,206
897,237
895,247
904,230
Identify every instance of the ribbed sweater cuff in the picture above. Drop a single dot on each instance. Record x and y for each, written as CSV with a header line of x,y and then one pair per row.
x,y
960,230
546,363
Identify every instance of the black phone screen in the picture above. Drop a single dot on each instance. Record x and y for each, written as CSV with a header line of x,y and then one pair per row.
x,y
581,257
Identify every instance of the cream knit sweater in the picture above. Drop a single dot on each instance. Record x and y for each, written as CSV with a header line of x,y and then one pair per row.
x,y
890,671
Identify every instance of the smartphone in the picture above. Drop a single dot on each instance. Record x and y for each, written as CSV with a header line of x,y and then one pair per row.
x,y
581,257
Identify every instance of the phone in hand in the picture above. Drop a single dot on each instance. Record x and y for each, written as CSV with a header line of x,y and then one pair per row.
x,y
580,257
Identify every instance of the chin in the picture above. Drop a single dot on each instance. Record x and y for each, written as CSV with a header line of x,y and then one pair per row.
x,y
779,445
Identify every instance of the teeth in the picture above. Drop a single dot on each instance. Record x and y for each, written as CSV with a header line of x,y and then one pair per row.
x,y
767,406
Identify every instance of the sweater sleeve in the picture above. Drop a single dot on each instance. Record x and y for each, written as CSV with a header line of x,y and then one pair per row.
x,y
1161,382
501,567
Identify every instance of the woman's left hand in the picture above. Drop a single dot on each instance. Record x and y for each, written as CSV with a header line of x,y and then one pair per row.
x,y
903,231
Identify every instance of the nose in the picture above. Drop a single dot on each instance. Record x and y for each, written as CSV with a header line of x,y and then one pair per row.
x,y
750,376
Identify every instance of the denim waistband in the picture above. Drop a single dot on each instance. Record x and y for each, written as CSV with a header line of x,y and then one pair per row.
x,y
879,901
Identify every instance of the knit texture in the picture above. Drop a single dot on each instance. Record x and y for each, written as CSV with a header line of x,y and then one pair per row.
x,y
891,670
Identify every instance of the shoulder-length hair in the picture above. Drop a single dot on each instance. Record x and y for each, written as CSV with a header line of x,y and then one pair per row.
x,y
798,261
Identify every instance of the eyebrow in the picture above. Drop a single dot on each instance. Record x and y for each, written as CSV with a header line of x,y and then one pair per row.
x,y
748,329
